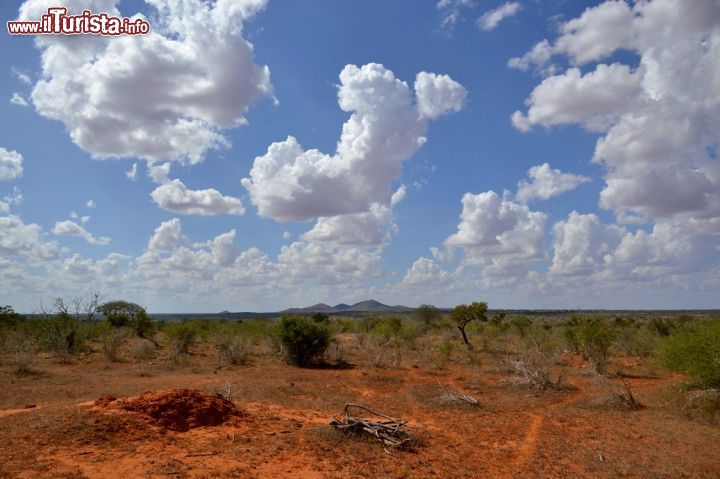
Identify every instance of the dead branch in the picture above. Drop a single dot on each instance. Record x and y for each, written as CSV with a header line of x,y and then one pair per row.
x,y
456,396
389,432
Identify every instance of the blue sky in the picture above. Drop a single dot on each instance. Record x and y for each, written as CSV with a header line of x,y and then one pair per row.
x,y
554,154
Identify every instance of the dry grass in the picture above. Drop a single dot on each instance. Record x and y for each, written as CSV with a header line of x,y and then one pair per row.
x,y
286,433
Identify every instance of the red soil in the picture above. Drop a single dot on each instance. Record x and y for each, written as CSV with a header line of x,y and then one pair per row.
x,y
176,409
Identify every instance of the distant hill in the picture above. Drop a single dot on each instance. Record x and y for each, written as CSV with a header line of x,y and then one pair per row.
x,y
368,306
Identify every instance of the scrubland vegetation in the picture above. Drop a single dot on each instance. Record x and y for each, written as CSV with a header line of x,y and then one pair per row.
x,y
604,359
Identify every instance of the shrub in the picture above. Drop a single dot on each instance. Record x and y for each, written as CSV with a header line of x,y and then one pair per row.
x,y
636,341
595,337
375,349
522,324
302,339
9,318
497,319
428,315
535,360
62,334
444,352
321,318
660,326
182,336
233,349
144,350
113,341
342,325
20,355
694,352
336,353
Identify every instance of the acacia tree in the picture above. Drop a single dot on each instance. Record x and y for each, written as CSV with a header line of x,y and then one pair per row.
x,y
464,314
124,313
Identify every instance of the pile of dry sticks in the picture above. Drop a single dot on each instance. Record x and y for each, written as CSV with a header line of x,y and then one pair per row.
x,y
390,431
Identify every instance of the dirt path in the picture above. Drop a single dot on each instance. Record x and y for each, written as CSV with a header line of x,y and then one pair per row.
x,y
529,445
10,412
526,450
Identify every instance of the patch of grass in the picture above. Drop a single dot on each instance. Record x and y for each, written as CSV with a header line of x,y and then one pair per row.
x,y
695,352
233,349
21,356
113,342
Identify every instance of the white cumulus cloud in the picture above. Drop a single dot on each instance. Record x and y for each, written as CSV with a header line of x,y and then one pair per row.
x,y
596,100
659,119
131,174
492,18
18,99
368,228
499,234
70,228
176,197
20,239
546,183
163,96
582,244
10,200
386,128
10,165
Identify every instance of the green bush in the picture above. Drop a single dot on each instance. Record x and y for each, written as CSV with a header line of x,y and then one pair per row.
x,y
635,340
428,315
595,338
62,334
182,336
302,339
344,325
444,352
694,352
321,318
9,318
522,324
661,326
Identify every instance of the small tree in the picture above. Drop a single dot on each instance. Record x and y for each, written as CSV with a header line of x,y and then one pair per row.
x,y
427,314
464,314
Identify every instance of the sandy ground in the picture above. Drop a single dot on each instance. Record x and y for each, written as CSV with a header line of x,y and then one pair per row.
x,y
51,427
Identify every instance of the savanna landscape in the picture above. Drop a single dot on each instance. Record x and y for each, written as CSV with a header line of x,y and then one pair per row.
x,y
613,394
505,215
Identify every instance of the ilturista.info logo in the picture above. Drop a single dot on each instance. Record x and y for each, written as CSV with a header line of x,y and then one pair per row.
x,y
57,22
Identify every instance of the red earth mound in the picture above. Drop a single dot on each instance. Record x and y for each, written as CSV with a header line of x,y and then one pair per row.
x,y
176,409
